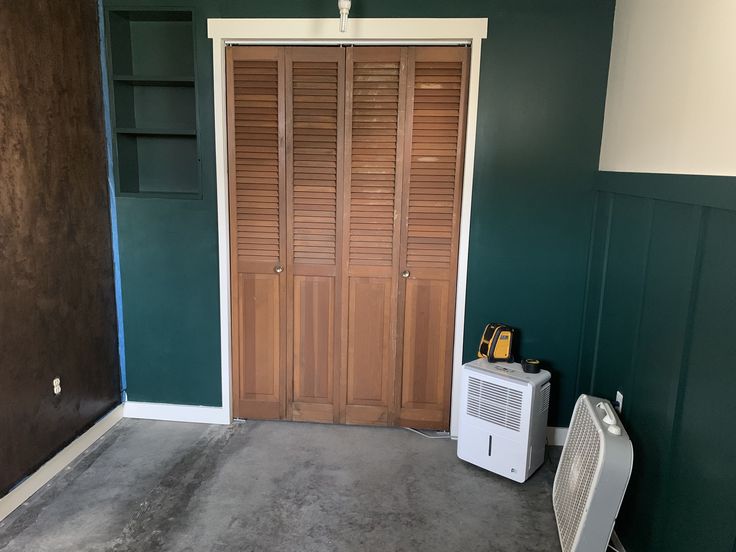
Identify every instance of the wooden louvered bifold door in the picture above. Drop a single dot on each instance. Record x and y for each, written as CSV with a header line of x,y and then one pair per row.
x,y
345,170
315,101
256,125
436,92
374,130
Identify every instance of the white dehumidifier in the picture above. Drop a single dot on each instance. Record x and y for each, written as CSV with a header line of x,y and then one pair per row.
x,y
503,418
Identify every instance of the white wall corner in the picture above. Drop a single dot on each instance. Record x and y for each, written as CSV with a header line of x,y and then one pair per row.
x,y
671,82
177,413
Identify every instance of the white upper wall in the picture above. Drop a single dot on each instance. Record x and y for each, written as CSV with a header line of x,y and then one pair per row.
x,y
671,103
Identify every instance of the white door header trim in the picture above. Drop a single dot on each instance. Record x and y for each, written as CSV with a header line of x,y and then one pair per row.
x,y
392,29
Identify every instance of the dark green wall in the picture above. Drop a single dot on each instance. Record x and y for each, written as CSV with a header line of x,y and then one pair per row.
x,y
169,270
543,83
543,79
660,325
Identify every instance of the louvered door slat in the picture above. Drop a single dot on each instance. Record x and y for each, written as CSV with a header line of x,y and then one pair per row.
x,y
374,126
255,100
430,220
257,191
375,122
315,94
433,169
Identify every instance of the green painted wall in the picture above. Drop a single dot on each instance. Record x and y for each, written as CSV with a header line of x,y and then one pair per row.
x,y
660,325
543,80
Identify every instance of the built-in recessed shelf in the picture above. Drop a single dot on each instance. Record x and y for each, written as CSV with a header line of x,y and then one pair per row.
x,y
158,164
154,103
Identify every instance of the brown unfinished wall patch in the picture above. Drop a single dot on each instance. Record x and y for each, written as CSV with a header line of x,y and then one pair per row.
x,y
57,300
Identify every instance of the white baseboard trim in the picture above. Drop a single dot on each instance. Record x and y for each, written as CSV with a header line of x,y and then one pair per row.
x,y
26,488
176,413
556,436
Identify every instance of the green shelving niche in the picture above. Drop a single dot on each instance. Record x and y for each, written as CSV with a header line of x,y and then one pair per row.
x,y
154,104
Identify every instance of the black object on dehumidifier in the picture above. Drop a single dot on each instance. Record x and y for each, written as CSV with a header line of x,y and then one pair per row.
x,y
530,365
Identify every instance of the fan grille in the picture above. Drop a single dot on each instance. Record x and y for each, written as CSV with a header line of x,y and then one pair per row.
x,y
494,403
578,466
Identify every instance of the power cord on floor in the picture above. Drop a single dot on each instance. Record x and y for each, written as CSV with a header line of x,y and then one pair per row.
x,y
442,436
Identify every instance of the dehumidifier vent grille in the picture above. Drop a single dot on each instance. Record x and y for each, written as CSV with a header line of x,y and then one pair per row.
x,y
494,403
575,474
544,399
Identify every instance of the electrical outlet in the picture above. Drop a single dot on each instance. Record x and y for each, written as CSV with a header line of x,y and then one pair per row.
x,y
619,401
56,384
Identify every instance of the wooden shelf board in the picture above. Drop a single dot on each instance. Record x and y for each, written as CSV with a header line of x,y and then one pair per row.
x,y
155,80
157,131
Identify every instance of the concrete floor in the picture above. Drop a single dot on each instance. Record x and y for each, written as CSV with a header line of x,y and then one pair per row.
x,y
279,486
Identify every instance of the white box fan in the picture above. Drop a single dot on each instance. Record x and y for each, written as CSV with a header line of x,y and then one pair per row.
x,y
592,476
503,418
